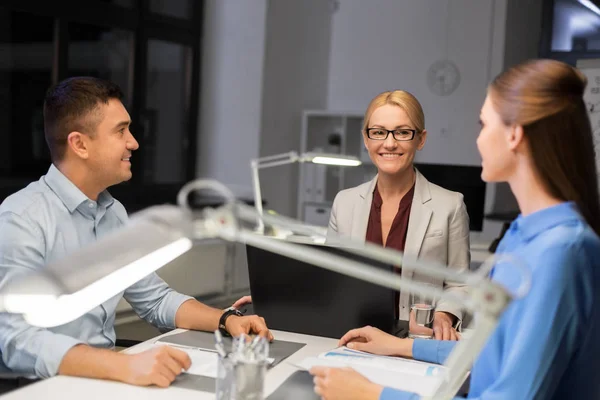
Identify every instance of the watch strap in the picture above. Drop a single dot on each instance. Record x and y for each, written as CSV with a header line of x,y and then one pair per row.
x,y
226,314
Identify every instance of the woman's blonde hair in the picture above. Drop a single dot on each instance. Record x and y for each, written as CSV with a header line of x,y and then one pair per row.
x,y
399,98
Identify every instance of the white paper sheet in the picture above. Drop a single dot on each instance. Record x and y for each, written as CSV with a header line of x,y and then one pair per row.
x,y
408,375
204,362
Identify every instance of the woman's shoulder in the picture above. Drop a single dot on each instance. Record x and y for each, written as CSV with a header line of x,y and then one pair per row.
x,y
574,237
351,193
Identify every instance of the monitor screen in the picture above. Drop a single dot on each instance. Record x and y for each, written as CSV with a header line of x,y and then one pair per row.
x,y
463,179
575,26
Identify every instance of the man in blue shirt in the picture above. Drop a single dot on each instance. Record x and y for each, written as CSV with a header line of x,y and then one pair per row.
x,y
87,131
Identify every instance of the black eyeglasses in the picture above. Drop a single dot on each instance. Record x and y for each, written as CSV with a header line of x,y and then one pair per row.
x,y
401,134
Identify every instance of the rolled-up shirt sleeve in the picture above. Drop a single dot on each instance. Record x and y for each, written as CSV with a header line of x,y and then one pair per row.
x,y
154,301
26,349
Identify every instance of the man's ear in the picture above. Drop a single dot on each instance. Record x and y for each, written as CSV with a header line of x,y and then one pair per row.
x,y
78,143
516,136
422,139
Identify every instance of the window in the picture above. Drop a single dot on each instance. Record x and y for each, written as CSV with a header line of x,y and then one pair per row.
x,y
26,58
165,112
150,48
100,52
172,8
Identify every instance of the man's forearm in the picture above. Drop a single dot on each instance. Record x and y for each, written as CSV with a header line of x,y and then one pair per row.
x,y
197,316
86,361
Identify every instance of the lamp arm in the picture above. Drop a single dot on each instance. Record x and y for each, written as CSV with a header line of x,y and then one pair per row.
x,y
462,357
173,226
223,223
257,196
485,298
278,159
369,250
395,257
266,162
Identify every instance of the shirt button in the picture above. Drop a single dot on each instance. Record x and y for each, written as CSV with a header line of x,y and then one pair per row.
x,y
91,205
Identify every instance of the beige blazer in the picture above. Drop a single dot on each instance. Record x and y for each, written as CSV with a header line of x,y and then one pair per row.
x,y
438,230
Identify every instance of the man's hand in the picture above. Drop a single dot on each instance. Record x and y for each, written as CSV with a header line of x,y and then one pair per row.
x,y
343,384
442,326
158,366
375,341
249,324
242,302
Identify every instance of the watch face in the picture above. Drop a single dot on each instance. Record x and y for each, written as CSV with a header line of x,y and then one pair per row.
x,y
443,77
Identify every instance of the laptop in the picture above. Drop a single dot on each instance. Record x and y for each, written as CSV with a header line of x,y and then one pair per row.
x,y
300,297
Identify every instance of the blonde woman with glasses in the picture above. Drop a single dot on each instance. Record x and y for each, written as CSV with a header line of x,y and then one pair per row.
x,y
400,209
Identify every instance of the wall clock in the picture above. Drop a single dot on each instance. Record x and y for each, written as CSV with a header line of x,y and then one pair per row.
x,y
443,77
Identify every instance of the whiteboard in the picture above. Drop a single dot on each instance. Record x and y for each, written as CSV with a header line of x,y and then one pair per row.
x,y
591,96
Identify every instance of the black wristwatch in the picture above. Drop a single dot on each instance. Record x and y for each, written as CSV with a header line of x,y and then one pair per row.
x,y
228,312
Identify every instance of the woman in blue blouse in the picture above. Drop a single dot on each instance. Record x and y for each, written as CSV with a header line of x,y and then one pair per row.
x,y
535,135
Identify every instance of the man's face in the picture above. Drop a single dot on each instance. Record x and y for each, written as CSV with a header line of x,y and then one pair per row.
x,y
111,146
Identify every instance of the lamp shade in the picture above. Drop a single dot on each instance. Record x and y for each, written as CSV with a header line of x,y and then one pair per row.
x,y
67,289
331,159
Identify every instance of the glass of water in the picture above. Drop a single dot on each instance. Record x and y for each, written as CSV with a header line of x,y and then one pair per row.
x,y
422,309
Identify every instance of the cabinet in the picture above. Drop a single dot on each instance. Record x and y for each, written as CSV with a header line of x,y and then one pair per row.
x,y
329,132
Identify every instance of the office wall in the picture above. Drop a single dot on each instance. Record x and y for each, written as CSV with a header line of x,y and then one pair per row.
x,y
522,40
390,44
481,37
295,79
231,90
283,56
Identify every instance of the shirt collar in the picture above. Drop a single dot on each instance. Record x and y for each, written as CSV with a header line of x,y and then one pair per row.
x,y
540,221
70,194
406,200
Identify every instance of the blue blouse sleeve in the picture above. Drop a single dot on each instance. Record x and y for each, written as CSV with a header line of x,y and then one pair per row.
x,y
433,351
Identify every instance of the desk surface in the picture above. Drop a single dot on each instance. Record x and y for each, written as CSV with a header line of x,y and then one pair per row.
x,y
70,388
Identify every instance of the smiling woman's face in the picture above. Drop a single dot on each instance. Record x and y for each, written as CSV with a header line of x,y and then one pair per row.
x,y
390,155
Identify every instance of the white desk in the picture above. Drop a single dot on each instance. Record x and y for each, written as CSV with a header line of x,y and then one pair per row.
x,y
69,388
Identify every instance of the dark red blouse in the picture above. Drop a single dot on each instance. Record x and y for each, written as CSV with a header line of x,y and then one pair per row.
x,y
397,236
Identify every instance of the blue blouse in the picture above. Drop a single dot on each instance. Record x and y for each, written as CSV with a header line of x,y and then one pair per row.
x,y
547,344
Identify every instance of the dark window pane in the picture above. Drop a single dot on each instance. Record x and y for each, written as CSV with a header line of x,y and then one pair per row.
x,y
172,8
25,75
165,116
100,52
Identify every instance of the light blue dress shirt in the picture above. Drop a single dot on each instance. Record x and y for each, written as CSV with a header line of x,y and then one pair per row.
x,y
43,222
546,345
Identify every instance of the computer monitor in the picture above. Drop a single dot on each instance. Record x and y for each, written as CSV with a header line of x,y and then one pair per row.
x,y
299,297
463,179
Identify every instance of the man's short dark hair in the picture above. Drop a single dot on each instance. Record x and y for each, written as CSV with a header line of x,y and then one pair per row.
x,y
73,105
